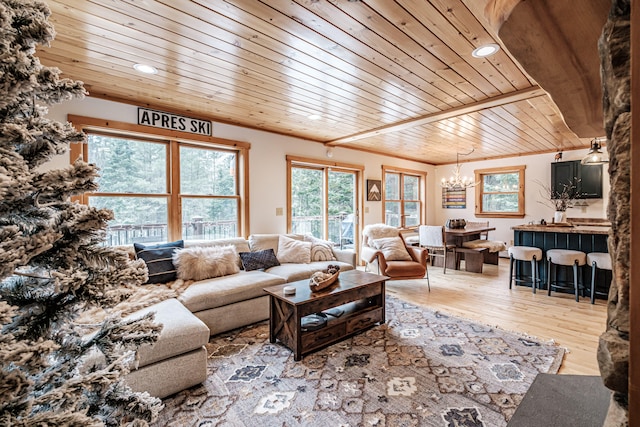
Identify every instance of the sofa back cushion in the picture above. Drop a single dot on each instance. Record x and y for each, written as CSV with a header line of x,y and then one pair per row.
x,y
261,242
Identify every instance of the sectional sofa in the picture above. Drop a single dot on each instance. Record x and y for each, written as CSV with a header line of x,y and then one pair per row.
x,y
210,306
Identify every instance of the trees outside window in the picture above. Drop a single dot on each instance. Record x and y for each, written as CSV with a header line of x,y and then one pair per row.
x,y
403,197
162,190
500,193
323,200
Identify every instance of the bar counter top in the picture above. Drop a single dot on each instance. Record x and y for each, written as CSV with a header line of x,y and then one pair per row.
x,y
564,228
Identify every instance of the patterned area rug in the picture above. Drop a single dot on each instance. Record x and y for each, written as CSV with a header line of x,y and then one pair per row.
x,y
421,368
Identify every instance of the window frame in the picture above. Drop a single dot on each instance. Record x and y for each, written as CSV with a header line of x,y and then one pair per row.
x,y
173,140
422,193
479,177
325,167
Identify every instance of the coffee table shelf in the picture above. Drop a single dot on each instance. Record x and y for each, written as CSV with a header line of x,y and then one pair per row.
x,y
360,294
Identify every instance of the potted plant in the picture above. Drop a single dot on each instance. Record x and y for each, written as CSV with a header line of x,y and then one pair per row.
x,y
561,200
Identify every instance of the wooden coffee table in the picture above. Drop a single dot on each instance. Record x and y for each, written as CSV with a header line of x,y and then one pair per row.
x,y
361,295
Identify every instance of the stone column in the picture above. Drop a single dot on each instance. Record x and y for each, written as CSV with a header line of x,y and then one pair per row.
x,y
613,349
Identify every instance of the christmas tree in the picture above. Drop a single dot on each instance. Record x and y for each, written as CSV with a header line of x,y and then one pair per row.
x,y
56,371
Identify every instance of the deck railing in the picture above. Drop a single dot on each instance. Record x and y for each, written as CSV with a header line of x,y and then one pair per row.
x,y
124,234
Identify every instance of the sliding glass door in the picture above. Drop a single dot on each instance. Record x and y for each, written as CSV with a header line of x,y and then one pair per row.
x,y
323,203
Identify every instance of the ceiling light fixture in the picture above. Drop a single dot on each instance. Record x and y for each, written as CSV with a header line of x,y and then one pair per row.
x,y
456,182
595,156
314,117
485,50
146,69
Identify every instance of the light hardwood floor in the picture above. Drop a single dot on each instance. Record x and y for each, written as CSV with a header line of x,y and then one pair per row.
x,y
486,298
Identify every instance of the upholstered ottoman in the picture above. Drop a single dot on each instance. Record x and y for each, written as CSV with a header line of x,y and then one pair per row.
x,y
178,359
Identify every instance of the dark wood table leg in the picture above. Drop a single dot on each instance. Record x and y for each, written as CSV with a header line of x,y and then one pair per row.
x,y
272,319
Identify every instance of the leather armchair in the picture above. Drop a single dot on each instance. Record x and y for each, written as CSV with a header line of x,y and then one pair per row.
x,y
416,268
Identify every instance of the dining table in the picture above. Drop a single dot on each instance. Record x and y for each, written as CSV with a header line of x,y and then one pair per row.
x,y
457,237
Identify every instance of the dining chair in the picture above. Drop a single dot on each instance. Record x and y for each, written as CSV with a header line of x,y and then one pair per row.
x,y
433,238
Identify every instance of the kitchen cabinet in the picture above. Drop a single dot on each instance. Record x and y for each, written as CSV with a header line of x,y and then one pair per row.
x,y
586,178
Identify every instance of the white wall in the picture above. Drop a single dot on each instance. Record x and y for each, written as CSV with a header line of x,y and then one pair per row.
x,y
267,162
538,170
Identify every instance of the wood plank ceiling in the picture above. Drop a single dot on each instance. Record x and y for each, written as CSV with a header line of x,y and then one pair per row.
x,y
394,77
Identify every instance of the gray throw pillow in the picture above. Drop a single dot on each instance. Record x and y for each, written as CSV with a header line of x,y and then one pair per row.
x,y
259,260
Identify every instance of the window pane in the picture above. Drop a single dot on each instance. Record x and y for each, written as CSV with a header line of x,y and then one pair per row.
x,y
504,182
392,214
411,188
412,214
137,219
128,166
392,186
209,219
207,172
500,202
342,202
306,201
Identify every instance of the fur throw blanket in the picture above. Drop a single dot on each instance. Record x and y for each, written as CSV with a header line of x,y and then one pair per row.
x,y
379,231
142,296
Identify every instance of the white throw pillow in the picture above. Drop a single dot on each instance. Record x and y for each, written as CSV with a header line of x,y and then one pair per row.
x,y
321,250
199,262
393,249
293,251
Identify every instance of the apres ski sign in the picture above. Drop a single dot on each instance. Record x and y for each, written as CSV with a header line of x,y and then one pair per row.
x,y
171,121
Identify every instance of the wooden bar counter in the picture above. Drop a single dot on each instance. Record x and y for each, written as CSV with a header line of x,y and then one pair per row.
x,y
586,236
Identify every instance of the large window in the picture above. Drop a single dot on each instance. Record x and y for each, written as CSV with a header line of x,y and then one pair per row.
x,y
323,200
403,197
164,189
500,193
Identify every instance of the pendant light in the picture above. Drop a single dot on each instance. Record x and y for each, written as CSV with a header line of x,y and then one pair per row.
x,y
595,155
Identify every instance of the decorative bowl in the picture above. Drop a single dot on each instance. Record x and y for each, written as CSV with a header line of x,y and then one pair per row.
x,y
323,279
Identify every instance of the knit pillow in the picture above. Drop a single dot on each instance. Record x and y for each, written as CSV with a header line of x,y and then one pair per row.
x,y
393,249
199,262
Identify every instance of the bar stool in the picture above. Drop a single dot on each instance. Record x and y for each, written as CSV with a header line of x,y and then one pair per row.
x,y
525,253
597,260
567,258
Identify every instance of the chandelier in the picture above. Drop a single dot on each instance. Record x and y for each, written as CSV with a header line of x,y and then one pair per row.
x,y
456,182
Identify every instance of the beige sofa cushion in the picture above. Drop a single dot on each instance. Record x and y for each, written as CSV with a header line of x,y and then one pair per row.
x,y
212,293
261,242
181,332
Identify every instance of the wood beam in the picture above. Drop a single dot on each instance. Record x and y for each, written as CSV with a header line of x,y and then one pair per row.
x,y
496,101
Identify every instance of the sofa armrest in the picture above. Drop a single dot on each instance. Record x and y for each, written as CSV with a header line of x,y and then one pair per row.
x,y
345,255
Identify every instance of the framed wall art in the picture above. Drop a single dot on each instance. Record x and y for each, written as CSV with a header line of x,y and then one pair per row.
x,y
454,199
374,190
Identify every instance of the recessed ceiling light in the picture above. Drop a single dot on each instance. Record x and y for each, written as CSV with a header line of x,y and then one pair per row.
x,y
314,117
485,50
146,69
